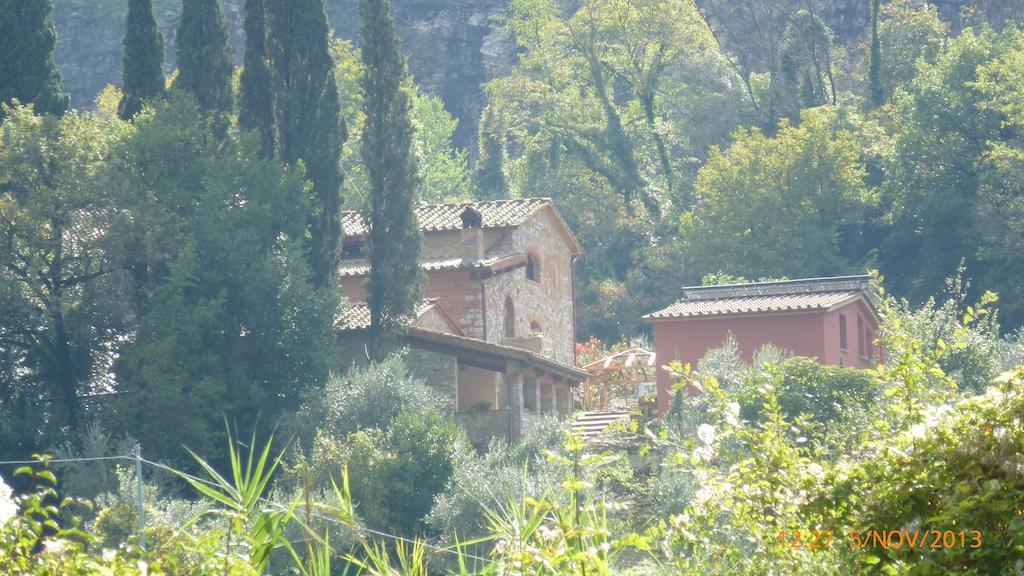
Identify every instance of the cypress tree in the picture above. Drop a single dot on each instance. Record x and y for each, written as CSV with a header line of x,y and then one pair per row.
x,y
28,69
875,62
307,113
489,172
256,109
394,239
143,75
205,61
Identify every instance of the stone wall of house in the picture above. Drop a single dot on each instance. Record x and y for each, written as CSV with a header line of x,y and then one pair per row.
x,y
439,371
434,319
548,302
481,427
459,295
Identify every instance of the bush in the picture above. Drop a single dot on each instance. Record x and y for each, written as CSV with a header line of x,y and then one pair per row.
x,y
115,525
504,473
394,474
366,397
825,400
971,351
962,468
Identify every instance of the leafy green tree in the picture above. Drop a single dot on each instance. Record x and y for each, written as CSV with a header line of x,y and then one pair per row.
x,y
907,32
142,73
803,76
443,168
205,61
612,86
28,70
256,109
875,88
796,204
612,104
393,287
59,271
936,184
489,172
1001,195
307,115
221,280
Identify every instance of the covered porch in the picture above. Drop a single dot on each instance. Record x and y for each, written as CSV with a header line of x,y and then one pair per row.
x,y
500,390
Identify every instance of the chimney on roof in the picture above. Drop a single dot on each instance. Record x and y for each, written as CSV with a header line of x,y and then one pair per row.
x,y
472,235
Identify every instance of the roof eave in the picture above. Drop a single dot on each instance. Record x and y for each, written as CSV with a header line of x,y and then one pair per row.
x,y
790,311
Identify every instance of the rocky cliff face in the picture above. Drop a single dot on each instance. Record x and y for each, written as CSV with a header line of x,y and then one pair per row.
x,y
454,46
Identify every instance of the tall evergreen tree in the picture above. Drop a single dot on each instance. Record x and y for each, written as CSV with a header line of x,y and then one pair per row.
x,y
307,112
28,70
875,62
489,172
205,61
394,241
143,75
256,109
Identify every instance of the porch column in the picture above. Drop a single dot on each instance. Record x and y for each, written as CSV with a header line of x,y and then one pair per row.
x,y
514,385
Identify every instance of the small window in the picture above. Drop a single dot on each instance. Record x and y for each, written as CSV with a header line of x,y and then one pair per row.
x,y
532,268
510,318
842,332
536,328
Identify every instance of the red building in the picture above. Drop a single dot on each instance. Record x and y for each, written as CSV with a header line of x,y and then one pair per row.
x,y
831,319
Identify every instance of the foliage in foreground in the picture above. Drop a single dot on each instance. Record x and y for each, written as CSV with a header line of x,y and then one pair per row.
x,y
766,453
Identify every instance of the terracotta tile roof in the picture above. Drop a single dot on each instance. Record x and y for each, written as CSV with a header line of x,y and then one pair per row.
x,y
357,314
444,217
361,267
759,297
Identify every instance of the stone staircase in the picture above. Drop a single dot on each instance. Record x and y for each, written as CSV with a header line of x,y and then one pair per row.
x,y
590,423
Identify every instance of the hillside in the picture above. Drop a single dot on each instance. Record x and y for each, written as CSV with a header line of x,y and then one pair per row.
x,y
454,46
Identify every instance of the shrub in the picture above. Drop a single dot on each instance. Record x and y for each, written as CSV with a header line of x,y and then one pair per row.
x,y
504,473
970,349
961,468
366,397
394,474
824,399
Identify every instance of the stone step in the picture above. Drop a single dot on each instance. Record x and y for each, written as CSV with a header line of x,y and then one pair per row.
x,y
591,423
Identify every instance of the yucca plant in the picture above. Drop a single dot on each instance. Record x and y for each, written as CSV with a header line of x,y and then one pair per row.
x,y
241,497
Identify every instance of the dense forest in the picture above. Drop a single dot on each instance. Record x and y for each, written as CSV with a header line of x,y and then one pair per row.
x,y
168,255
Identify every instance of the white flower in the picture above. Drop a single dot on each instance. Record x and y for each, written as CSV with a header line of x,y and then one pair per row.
x,y
704,453
8,507
55,547
732,414
706,433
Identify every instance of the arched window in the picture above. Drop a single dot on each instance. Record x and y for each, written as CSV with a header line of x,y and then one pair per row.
x,y
510,318
532,268
536,328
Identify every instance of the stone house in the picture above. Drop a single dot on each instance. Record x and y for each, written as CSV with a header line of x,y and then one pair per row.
x,y
496,329
832,319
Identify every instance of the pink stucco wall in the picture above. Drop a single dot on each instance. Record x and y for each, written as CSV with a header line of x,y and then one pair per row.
x,y
814,334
